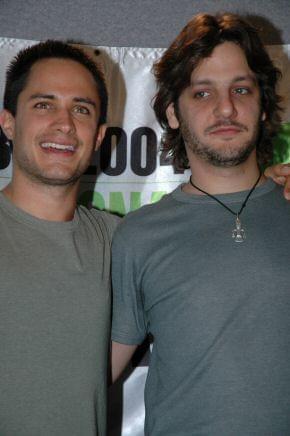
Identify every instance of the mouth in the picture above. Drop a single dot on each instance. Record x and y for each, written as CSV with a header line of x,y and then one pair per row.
x,y
56,147
227,131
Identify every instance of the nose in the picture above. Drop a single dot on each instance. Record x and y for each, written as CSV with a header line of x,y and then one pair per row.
x,y
64,121
225,107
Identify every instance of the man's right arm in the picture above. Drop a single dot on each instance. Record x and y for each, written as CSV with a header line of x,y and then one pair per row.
x,y
121,355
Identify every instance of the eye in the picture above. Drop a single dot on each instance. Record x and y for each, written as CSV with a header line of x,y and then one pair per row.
x,y
42,105
83,110
201,94
242,90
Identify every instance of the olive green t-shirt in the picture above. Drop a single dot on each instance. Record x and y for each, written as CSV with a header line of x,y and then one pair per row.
x,y
54,323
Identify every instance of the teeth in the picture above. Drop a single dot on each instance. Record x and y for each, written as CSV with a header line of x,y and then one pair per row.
x,y
57,146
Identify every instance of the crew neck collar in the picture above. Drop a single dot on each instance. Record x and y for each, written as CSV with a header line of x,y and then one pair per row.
x,y
21,216
234,197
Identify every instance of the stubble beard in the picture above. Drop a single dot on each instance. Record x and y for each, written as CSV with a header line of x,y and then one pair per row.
x,y
226,156
39,176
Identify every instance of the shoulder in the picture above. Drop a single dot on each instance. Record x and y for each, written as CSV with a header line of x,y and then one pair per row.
x,y
278,200
105,220
145,219
273,196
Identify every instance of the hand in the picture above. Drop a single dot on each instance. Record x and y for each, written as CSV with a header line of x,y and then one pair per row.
x,y
280,173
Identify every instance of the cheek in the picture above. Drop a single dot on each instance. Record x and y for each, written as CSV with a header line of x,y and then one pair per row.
x,y
26,134
197,122
253,117
200,113
87,132
29,127
251,109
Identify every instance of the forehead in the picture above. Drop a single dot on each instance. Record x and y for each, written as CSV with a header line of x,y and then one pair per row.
x,y
55,75
226,63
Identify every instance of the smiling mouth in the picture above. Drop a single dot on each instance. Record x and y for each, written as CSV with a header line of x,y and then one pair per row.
x,y
58,147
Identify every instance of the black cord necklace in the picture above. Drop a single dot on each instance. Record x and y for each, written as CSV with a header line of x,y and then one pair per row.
x,y
238,234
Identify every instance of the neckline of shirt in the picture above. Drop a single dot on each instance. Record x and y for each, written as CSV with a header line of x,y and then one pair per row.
x,y
234,197
24,217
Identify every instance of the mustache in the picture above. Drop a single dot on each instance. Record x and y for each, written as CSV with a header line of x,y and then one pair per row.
x,y
226,123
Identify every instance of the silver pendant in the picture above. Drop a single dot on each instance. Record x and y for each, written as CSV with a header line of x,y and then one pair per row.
x,y
238,234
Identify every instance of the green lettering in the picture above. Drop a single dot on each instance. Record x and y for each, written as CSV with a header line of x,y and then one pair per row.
x,y
156,196
135,201
92,198
117,204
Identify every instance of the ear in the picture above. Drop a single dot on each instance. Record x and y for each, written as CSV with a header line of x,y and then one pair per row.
x,y
100,135
7,122
171,117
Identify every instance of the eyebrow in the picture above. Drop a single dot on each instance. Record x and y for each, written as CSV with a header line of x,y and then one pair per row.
x,y
244,78
249,77
86,100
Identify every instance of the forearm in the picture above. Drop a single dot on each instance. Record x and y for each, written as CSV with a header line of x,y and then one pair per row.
x,y
121,355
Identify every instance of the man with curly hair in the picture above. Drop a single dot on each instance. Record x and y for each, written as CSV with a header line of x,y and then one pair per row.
x,y
206,271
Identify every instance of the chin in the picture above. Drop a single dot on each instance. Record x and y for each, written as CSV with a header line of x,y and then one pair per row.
x,y
231,158
56,179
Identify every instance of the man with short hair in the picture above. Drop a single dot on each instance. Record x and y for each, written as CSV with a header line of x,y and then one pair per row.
x,y
205,271
55,256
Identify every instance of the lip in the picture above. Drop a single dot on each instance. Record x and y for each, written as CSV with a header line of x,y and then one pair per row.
x,y
64,148
226,131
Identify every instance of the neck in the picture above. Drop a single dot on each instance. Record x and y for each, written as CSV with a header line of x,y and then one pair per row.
x,y
220,180
52,203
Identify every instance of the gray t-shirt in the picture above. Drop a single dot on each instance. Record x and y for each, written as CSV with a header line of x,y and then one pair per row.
x,y
54,323
218,311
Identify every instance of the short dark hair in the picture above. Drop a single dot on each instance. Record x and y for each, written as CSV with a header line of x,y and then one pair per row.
x,y
197,41
18,71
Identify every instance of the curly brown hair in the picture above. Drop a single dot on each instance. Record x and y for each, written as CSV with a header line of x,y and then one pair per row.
x,y
197,41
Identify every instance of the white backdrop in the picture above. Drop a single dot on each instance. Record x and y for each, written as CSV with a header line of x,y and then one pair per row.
x,y
123,178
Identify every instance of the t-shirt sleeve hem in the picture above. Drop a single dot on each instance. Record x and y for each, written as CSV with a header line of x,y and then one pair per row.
x,y
125,339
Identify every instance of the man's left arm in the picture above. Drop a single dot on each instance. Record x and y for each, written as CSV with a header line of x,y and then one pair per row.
x,y
280,173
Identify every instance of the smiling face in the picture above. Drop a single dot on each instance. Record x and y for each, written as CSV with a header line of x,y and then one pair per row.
x,y
55,129
219,113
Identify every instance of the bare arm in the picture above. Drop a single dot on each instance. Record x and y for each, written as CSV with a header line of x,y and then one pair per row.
x,y
121,356
280,173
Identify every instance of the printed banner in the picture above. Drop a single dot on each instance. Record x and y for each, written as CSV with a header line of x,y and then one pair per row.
x,y
129,170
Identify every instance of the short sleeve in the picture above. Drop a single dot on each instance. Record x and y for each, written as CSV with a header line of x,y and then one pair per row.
x,y
129,325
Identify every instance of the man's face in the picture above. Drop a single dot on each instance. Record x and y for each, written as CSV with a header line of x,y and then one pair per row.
x,y
55,131
219,113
